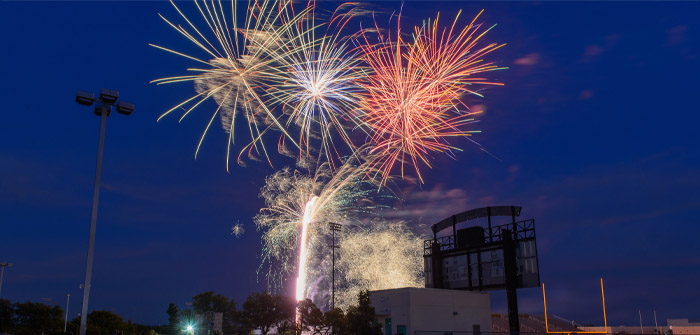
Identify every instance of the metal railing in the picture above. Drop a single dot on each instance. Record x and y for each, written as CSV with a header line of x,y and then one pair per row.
x,y
521,230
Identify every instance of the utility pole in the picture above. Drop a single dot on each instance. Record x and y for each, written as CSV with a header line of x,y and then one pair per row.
x,y
335,228
656,323
641,328
103,108
2,272
65,323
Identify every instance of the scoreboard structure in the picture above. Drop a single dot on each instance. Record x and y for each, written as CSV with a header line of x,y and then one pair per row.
x,y
480,257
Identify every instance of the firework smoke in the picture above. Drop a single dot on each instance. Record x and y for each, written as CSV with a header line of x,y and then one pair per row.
x,y
378,256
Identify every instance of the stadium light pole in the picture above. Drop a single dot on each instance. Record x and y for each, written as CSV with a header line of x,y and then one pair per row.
x,y
103,108
2,272
335,228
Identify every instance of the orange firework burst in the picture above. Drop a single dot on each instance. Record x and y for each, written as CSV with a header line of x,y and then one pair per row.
x,y
413,99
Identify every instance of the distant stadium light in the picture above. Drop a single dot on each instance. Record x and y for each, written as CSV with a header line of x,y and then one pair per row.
x,y
2,274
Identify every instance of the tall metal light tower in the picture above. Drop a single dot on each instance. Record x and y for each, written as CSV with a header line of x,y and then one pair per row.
x,y
335,228
103,108
2,272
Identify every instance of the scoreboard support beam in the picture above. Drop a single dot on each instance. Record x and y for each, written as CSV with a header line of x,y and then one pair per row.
x,y
511,272
436,265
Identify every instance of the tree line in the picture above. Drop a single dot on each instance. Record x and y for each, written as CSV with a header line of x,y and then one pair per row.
x,y
267,313
30,318
260,311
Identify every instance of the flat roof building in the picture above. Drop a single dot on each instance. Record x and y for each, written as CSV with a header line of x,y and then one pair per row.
x,y
429,311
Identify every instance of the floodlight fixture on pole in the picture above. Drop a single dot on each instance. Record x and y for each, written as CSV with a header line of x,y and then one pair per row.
x,y
2,272
335,228
103,107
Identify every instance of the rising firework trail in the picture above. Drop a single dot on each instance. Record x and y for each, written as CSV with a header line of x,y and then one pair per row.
x,y
302,270
414,99
307,219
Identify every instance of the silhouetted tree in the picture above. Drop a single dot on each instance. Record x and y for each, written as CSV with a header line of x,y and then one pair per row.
x,y
36,318
286,307
139,329
7,324
336,321
361,318
105,323
263,311
259,312
210,302
231,324
73,326
173,318
310,317
218,303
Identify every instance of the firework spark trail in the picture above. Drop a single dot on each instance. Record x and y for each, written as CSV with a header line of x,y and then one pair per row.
x,y
240,64
319,90
237,230
413,99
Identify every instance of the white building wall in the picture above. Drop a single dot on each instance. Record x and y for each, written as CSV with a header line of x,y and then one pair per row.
x,y
427,311
682,323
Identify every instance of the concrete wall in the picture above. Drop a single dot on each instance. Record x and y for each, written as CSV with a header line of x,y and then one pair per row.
x,y
429,311
682,323
680,330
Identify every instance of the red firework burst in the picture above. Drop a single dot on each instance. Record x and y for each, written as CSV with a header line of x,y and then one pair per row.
x,y
413,99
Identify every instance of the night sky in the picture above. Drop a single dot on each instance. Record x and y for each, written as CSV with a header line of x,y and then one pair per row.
x,y
595,134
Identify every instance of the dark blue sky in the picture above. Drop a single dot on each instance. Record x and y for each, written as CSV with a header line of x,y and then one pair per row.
x,y
596,132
